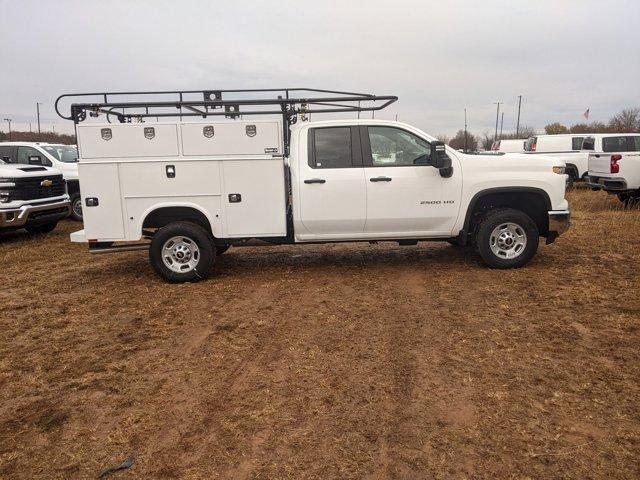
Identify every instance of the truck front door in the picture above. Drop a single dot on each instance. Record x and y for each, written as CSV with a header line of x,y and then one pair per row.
x,y
331,184
405,196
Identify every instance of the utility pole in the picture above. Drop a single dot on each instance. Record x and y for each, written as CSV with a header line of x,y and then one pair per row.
x,y
38,112
501,122
518,124
54,128
8,120
495,136
30,128
465,130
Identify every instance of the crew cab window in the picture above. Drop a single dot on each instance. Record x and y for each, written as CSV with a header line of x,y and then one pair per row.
x,y
331,148
25,152
6,152
576,143
392,147
620,144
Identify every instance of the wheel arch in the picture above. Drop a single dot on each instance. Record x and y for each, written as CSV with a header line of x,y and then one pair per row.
x,y
159,215
533,201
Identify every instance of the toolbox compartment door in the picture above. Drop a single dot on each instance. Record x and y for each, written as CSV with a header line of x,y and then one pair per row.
x,y
103,221
114,140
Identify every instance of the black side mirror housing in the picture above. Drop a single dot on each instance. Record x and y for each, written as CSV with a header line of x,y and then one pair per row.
x,y
35,160
440,160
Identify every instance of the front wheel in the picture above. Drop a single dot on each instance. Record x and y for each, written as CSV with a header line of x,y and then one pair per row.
x,y
182,252
507,238
76,207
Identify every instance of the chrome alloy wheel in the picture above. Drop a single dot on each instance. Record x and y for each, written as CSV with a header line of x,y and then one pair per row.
x,y
508,240
77,207
180,254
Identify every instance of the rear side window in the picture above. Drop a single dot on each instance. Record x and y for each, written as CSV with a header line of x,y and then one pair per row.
x,y
530,144
331,148
620,144
589,143
576,143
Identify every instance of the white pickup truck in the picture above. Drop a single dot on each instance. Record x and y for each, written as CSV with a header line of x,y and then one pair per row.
x,y
617,169
61,157
191,190
31,197
566,147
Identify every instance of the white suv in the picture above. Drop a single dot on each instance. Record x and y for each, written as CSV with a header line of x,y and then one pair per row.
x,y
61,157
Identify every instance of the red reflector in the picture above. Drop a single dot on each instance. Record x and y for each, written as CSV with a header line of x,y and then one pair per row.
x,y
615,168
93,240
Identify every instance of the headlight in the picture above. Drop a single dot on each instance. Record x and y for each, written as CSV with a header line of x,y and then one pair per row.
x,y
5,196
560,170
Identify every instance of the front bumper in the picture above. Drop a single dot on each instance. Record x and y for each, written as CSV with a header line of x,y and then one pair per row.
x,y
37,214
616,184
559,222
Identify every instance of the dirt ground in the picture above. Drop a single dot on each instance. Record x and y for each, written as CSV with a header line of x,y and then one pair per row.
x,y
330,361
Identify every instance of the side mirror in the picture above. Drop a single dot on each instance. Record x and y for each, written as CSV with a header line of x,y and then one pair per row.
x,y
440,160
35,160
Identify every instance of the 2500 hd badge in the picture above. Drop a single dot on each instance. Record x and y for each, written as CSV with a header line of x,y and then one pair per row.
x,y
436,202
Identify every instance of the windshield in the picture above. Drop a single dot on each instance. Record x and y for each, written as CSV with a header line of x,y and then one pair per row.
x,y
63,153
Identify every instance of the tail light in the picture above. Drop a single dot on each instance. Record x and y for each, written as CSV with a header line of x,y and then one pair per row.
x,y
614,167
533,147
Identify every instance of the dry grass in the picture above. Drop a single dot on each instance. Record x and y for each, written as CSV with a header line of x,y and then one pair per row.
x,y
334,361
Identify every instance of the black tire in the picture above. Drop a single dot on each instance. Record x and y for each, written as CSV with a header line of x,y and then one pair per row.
x,y
220,249
629,199
44,228
200,264
487,242
76,207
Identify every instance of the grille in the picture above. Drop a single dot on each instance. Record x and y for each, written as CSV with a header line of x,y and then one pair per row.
x,y
32,189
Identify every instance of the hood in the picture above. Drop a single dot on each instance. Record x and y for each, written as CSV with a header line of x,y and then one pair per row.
x,y
26,171
69,170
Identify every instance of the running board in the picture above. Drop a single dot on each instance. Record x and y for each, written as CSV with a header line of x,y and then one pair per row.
x,y
120,248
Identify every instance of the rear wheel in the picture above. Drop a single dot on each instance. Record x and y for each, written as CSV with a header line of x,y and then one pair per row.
x,y
44,228
76,207
182,252
630,199
507,238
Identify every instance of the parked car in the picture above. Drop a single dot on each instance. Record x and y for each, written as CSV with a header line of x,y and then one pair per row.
x,y
61,157
565,147
208,186
616,169
32,197
514,146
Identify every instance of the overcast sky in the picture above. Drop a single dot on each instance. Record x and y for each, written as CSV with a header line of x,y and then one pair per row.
x,y
439,57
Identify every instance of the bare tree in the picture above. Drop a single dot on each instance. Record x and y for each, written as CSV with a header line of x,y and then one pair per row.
x,y
525,132
555,128
593,127
458,141
627,121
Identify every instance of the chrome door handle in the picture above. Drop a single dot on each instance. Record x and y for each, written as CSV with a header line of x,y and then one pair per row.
x,y
315,180
380,179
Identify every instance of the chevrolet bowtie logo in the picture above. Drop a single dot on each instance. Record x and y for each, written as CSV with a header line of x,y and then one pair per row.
x,y
46,183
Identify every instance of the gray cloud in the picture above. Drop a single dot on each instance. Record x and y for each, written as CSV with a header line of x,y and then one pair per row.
x,y
562,56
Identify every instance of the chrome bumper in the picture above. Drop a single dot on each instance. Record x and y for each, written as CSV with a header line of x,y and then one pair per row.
x,y
34,214
606,183
559,221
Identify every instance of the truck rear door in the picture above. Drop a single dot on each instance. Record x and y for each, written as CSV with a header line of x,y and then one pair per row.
x,y
331,185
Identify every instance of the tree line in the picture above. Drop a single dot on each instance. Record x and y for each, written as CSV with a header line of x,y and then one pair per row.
x,y
48,137
626,121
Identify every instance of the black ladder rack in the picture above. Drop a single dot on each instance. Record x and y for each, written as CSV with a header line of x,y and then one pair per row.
x,y
288,102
